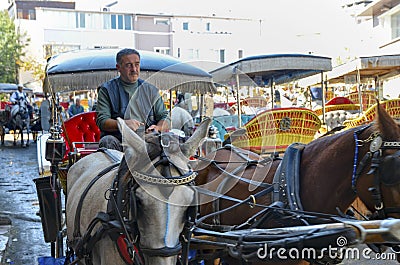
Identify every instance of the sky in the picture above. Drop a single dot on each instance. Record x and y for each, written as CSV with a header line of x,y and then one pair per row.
x,y
320,27
3,4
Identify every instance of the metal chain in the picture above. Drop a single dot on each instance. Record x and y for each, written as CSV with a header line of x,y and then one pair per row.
x,y
164,181
369,139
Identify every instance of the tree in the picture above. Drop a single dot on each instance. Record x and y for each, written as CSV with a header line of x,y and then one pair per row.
x,y
12,45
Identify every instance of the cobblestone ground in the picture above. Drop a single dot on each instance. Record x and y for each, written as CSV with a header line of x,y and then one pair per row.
x,y
18,201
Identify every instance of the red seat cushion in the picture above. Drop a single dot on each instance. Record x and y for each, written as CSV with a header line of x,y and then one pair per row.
x,y
80,128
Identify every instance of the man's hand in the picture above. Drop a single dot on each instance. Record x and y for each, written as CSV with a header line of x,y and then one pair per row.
x,y
152,128
134,124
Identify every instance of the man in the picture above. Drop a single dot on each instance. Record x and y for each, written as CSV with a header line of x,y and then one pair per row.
x,y
18,95
130,98
75,108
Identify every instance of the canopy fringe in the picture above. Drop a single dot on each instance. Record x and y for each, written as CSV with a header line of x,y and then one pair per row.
x,y
162,80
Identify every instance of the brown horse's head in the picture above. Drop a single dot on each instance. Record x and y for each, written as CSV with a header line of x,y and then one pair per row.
x,y
379,187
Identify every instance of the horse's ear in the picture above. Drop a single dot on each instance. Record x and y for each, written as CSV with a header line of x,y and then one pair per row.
x,y
189,147
129,137
385,123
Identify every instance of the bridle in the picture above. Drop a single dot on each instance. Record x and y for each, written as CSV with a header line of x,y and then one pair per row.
x,y
121,220
379,167
164,165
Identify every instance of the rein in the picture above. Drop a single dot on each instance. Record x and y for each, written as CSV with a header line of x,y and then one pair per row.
x,y
243,166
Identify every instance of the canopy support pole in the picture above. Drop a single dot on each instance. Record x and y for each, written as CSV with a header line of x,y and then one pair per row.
x,y
201,107
170,108
323,86
239,110
271,83
359,90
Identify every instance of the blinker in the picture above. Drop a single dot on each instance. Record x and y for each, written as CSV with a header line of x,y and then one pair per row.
x,y
390,169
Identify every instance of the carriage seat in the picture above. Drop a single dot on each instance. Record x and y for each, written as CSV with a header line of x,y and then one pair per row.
x,y
81,134
226,124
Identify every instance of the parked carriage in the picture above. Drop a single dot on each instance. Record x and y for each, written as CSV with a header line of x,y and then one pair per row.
x,y
273,128
69,141
199,239
17,117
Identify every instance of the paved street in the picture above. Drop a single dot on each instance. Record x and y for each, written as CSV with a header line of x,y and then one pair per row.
x,y
19,203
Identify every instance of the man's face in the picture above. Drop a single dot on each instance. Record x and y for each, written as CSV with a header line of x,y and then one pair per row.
x,y
129,68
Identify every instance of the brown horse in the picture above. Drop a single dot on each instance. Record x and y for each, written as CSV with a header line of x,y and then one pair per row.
x,y
334,171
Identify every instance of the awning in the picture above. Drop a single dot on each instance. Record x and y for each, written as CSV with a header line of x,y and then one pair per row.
x,y
9,88
370,67
379,7
87,69
277,68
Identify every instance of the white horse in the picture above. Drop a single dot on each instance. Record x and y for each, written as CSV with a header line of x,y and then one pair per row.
x,y
182,120
20,121
152,197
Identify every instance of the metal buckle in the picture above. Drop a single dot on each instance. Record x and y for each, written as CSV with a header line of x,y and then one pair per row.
x,y
376,144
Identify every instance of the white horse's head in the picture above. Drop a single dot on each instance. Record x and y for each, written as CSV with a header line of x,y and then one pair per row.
x,y
20,115
160,167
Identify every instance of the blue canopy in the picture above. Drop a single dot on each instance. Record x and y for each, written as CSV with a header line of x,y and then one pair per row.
x,y
87,69
277,68
9,88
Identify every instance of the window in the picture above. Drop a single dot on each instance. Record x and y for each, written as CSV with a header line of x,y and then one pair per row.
x,y
159,21
31,14
80,20
128,22
185,25
395,24
20,13
193,54
106,21
162,50
240,54
222,56
113,21
179,52
208,26
118,22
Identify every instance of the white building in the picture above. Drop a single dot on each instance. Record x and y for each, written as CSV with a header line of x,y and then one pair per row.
x,y
190,38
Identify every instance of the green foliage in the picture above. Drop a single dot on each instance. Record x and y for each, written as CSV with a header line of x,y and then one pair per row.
x,y
12,46
36,68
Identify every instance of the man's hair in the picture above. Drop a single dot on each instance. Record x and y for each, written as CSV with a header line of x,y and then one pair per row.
x,y
126,51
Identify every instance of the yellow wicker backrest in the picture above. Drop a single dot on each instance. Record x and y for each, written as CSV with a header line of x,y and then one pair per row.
x,y
391,106
367,97
274,130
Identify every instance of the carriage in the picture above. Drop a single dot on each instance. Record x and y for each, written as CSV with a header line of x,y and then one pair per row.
x,y
17,117
160,221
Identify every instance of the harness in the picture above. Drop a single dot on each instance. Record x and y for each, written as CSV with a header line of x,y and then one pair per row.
x,y
286,200
375,155
120,220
